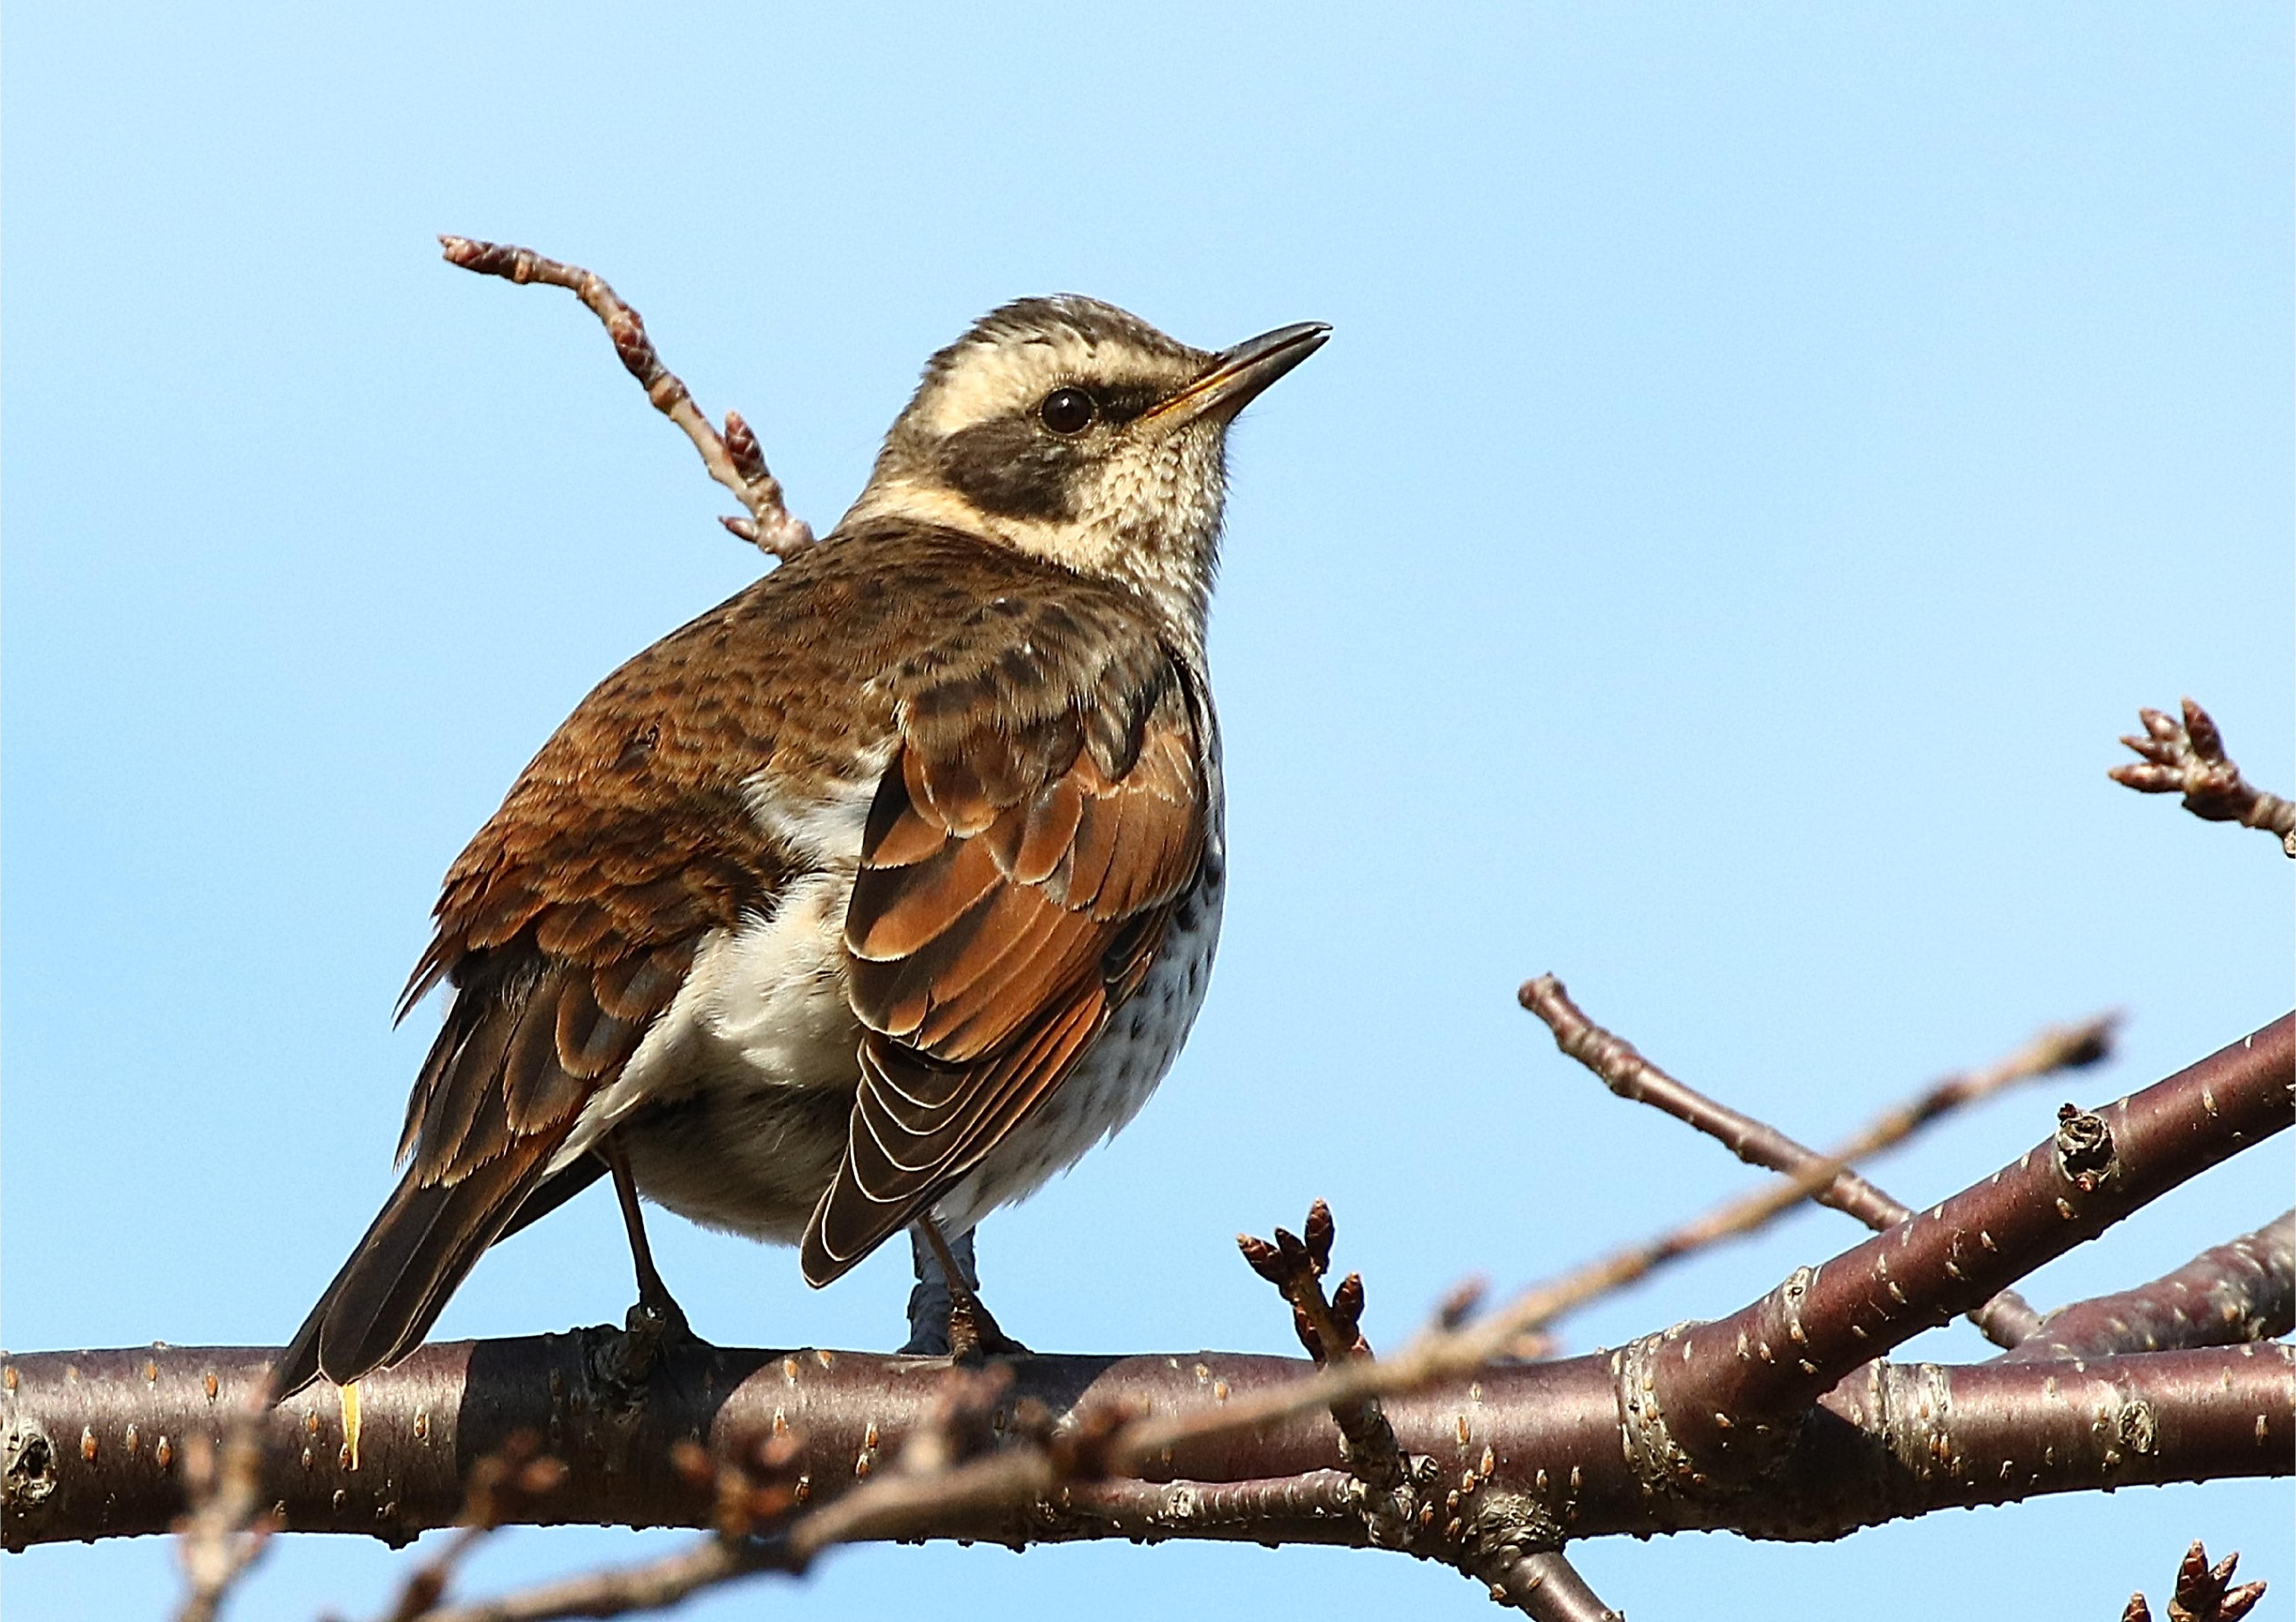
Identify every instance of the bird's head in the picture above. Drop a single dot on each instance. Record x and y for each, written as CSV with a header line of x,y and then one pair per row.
x,y
1071,430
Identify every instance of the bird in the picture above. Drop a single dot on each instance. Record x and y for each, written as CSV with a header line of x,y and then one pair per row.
x,y
875,895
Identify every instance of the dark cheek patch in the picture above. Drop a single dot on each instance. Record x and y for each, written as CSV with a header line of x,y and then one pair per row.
x,y
1011,469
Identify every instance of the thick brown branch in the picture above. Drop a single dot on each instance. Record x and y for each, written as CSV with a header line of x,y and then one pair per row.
x,y
1541,1443
1825,1178
91,1440
1719,1390
732,458
2188,757
1687,1429
2244,1290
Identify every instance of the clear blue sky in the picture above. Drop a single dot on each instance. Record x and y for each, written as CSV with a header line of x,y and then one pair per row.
x,y
1766,456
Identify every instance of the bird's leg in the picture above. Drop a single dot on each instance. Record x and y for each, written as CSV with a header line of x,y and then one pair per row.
x,y
929,1301
657,1319
947,1291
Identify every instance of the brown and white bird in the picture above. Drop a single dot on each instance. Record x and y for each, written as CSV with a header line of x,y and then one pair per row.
x,y
878,894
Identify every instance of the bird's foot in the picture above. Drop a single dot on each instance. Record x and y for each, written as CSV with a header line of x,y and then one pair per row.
x,y
973,1335
656,1323
946,1316
653,1326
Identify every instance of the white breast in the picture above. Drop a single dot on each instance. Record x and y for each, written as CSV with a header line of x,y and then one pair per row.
x,y
762,1012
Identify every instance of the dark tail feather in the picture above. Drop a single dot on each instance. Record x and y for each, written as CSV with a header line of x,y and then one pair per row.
x,y
554,1192
399,1279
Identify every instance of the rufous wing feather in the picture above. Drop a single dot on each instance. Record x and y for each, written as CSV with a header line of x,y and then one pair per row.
x,y
1014,883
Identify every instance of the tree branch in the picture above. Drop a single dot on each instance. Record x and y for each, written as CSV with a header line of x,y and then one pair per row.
x,y
1765,1423
1330,1331
2243,1290
1826,1178
732,458
2188,757
1718,1391
1395,1490
1892,1441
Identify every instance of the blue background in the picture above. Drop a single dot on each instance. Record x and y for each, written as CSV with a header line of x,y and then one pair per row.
x,y
1767,456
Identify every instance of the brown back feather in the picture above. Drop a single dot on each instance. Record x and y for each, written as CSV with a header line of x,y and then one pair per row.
x,y
569,924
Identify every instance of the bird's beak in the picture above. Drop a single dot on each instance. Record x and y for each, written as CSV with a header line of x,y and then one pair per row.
x,y
1236,376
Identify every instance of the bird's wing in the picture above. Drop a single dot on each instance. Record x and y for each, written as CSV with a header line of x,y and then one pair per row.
x,y
1044,810
566,929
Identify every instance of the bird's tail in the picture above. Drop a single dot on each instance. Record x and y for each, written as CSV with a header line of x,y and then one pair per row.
x,y
425,1241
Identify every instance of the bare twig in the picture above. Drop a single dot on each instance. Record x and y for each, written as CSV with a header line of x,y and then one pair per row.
x,y
223,1532
932,1481
2243,1290
733,457
1543,1585
1487,1535
616,1591
1729,1380
1537,1446
1823,1177
2188,757
2203,1592
1331,1330
502,1485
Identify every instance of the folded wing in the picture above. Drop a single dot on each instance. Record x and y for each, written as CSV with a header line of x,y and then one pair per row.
x,y
1020,863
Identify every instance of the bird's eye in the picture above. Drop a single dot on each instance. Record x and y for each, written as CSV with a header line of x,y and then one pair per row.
x,y
1068,411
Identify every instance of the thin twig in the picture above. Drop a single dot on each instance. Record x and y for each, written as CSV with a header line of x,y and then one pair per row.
x,y
733,457
1826,1178
2157,1139
1495,1543
615,1590
223,1533
1543,1585
933,1479
2203,1592
1331,1332
502,1485
2188,757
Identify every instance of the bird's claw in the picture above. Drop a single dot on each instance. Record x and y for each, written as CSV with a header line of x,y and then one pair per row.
x,y
649,1331
973,1335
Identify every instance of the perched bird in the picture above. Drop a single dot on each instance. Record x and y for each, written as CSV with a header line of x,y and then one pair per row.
x,y
878,893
